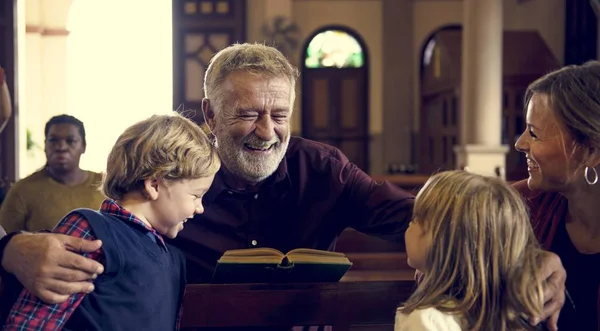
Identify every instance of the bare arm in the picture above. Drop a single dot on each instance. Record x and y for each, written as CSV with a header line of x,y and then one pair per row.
x,y
5,104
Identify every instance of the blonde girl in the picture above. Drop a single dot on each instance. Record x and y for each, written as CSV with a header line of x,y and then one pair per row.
x,y
472,240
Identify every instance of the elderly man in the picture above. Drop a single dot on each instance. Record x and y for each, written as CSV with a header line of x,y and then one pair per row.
x,y
273,190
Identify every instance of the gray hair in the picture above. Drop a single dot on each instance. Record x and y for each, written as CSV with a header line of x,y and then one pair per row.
x,y
253,58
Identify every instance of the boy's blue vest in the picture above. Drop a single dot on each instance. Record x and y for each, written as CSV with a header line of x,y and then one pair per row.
x,y
142,285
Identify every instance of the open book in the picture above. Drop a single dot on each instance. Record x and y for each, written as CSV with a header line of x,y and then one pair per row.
x,y
268,265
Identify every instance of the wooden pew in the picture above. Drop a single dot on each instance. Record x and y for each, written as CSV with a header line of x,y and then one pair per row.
x,y
410,183
340,305
377,259
373,259
369,267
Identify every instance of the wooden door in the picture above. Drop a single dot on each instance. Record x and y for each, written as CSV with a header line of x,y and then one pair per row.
x,y
201,28
335,111
8,137
439,131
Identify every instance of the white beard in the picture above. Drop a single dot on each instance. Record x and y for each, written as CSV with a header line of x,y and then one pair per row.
x,y
251,167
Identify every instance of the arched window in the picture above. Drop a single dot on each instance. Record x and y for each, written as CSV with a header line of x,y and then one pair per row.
x,y
334,48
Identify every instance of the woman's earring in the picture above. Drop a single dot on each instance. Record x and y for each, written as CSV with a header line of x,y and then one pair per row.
x,y
587,179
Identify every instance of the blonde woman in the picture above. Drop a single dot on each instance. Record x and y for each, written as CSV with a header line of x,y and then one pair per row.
x,y
472,240
561,142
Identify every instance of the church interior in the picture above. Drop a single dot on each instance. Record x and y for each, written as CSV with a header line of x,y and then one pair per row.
x,y
405,88
379,79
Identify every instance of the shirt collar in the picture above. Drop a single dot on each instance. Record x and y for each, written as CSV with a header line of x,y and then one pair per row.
x,y
109,206
279,179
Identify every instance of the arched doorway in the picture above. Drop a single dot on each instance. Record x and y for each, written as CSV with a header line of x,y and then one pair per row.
x,y
335,108
439,115
526,57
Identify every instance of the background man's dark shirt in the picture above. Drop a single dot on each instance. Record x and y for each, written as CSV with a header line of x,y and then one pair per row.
x,y
311,198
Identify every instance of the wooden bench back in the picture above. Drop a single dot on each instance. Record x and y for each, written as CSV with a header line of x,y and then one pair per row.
x,y
340,305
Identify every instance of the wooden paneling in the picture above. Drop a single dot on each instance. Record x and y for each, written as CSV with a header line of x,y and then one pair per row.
x,y
8,138
201,28
267,305
335,110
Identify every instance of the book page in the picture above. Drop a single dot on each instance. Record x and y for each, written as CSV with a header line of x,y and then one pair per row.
x,y
304,255
252,255
250,259
263,251
317,252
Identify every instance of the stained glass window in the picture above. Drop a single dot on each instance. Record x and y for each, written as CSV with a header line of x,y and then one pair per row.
x,y
334,48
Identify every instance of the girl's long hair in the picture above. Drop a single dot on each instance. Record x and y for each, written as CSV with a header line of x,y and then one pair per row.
x,y
483,262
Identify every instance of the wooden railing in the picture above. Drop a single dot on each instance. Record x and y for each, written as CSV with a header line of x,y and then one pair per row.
x,y
410,183
341,305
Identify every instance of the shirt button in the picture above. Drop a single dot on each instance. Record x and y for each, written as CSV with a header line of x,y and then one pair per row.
x,y
256,196
229,192
254,242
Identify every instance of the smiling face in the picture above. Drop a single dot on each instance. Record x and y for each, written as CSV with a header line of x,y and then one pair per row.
x,y
252,126
553,162
175,202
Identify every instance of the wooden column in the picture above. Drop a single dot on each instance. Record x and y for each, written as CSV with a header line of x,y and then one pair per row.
x,y
481,90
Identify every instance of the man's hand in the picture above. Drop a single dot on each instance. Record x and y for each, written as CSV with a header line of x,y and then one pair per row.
x,y
47,266
554,274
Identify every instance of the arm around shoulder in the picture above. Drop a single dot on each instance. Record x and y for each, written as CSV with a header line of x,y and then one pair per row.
x,y
29,311
428,319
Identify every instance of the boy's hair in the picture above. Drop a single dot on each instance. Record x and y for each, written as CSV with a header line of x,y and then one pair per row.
x,y
483,260
66,119
168,147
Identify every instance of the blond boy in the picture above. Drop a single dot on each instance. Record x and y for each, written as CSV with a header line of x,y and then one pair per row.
x,y
156,175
